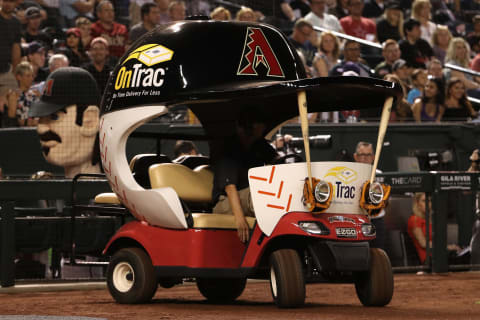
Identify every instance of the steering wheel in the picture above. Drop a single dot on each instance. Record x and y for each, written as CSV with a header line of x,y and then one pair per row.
x,y
283,159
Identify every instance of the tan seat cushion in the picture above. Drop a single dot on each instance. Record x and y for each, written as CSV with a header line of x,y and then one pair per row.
x,y
190,185
107,198
217,221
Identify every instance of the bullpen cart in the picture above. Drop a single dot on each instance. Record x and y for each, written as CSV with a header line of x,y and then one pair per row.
x,y
312,218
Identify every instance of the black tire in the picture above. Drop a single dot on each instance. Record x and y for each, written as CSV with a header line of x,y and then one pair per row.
x,y
375,286
287,281
221,290
131,277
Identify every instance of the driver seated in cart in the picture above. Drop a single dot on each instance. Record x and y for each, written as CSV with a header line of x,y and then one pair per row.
x,y
246,149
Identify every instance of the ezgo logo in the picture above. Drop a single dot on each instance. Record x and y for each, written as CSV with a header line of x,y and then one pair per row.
x,y
346,177
149,55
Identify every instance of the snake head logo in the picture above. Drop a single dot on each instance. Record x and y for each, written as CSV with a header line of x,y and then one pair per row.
x,y
150,54
344,174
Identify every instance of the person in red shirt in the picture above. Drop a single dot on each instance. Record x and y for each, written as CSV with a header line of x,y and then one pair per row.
x,y
417,226
115,33
356,25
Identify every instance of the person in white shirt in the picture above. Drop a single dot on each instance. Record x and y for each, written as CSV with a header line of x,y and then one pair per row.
x,y
319,18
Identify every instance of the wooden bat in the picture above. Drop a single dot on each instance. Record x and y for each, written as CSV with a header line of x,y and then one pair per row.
x,y
387,109
302,108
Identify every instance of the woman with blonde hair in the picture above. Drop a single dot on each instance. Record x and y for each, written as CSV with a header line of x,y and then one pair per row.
x,y
421,11
417,226
458,54
390,25
440,40
85,27
221,14
246,14
327,55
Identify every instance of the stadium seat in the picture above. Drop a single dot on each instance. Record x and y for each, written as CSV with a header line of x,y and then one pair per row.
x,y
192,161
140,164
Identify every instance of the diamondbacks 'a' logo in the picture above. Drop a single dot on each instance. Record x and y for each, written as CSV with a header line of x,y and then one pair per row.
x,y
48,88
257,51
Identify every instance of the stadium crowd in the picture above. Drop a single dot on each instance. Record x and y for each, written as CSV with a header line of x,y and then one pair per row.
x,y
417,37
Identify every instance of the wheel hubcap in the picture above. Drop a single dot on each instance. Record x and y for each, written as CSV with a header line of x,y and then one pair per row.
x,y
273,282
123,277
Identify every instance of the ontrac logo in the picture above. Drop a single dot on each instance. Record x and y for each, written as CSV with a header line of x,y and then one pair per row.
x,y
257,50
345,176
139,76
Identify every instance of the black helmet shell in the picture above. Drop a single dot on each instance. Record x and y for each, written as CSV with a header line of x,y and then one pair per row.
x,y
190,60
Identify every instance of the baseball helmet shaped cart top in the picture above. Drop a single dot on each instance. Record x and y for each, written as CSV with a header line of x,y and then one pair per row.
x,y
219,70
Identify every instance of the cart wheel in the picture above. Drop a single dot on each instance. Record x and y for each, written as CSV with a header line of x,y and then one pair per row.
x,y
287,281
131,277
375,286
221,290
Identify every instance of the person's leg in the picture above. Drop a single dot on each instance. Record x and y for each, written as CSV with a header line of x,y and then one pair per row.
x,y
246,202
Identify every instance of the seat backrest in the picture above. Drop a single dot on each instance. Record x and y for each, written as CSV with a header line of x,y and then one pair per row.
x,y
140,164
192,161
190,185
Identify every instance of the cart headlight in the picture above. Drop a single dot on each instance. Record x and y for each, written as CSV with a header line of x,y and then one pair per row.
x,y
314,227
368,230
322,191
375,193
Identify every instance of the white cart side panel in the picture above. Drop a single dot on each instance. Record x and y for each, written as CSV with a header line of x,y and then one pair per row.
x,y
277,190
159,207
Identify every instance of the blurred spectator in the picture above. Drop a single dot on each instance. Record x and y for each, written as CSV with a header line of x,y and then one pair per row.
x,y
246,14
441,39
300,8
10,50
319,18
419,79
428,108
176,11
75,52
390,25
32,28
185,148
134,15
36,56
356,25
474,162
163,7
99,67
434,68
373,8
55,62
198,8
401,70
401,110
85,26
390,53
22,7
340,10
458,54
327,55
53,17
115,33
473,38
150,19
457,106
415,50
301,39
421,11
71,9
351,55
24,75
417,226
221,14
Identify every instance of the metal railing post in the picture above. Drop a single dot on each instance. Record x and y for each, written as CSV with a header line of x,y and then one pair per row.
x,y
7,244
